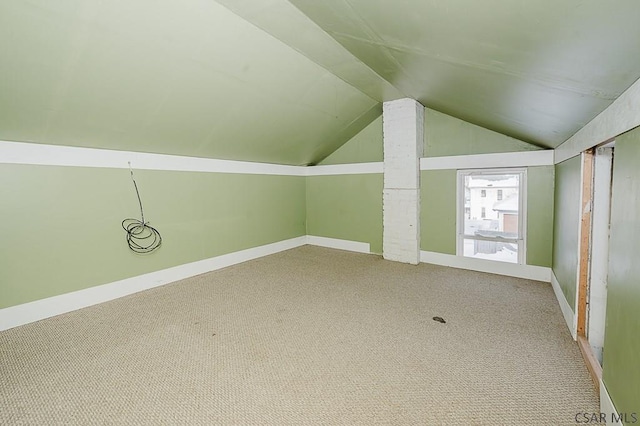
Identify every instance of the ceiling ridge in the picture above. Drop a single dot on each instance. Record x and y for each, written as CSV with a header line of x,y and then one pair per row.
x,y
543,80
355,72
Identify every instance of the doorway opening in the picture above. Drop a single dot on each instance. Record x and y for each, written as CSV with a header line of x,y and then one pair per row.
x,y
597,179
599,256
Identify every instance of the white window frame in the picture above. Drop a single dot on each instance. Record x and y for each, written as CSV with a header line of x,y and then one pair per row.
x,y
522,206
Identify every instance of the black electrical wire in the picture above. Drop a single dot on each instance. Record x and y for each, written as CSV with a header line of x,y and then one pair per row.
x,y
141,237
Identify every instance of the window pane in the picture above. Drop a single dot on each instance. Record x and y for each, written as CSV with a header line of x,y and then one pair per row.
x,y
492,250
491,205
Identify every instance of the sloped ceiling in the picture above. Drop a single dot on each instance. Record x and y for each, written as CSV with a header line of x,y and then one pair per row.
x,y
534,70
289,82
179,77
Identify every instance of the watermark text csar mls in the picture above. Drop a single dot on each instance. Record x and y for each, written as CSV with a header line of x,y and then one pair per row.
x,y
604,418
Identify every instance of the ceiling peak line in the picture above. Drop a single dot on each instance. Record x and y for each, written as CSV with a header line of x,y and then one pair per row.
x,y
321,49
368,29
544,80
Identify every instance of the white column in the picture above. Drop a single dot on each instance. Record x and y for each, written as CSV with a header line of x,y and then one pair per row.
x,y
403,129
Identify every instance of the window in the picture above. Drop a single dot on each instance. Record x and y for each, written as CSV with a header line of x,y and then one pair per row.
x,y
491,224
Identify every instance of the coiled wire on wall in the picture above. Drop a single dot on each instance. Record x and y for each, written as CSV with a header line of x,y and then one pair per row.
x,y
141,237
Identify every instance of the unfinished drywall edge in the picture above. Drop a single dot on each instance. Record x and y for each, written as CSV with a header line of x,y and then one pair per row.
x,y
530,272
25,313
621,116
336,243
599,269
481,161
567,312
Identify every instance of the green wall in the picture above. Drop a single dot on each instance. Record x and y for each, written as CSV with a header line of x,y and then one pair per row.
x,y
64,222
347,207
365,147
445,135
60,226
438,213
621,362
565,226
540,204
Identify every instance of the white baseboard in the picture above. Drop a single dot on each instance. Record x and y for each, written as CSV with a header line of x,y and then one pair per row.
x,y
335,243
567,312
607,407
45,308
537,273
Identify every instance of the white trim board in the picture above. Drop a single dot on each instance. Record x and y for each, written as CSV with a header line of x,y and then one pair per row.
x,y
568,314
69,156
45,308
607,407
537,273
485,161
621,116
345,169
55,155
335,243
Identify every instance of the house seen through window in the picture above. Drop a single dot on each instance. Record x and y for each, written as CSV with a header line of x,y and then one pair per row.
x,y
490,214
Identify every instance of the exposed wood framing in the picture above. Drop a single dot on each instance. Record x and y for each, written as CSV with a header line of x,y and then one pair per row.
x,y
585,237
592,363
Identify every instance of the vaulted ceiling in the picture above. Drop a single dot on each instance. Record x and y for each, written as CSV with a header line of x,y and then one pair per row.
x,y
290,81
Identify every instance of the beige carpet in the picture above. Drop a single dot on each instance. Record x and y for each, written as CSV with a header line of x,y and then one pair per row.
x,y
307,336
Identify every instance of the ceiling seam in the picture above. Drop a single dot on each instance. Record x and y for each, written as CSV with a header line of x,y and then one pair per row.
x,y
315,61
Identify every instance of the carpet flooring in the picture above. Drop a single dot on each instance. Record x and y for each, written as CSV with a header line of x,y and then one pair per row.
x,y
307,336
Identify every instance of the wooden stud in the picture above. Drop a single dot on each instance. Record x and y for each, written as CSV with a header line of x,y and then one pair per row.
x,y
585,240
592,363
